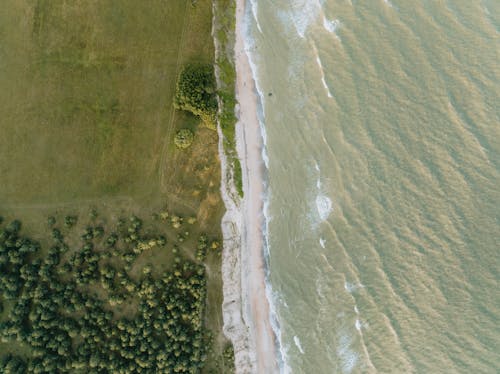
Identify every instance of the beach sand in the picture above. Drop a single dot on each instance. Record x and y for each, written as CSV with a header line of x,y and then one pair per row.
x,y
246,308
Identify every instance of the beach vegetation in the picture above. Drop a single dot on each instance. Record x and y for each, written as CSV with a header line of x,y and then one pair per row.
x,y
225,16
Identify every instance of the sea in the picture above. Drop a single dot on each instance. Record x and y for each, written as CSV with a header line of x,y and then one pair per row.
x,y
381,122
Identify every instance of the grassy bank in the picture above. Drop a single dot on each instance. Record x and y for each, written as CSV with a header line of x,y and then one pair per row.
x,y
88,123
224,31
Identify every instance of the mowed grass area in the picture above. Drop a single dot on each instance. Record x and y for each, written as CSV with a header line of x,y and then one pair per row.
x,y
86,94
86,120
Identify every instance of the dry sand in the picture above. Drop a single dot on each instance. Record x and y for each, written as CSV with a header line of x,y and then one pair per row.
x,y
246,308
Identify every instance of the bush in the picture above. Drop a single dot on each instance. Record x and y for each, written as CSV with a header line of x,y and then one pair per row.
x,y
184,138
195,93
70,221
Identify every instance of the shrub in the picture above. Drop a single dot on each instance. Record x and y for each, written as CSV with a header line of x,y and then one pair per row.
x,y
70,221
195,93
51,221
184,138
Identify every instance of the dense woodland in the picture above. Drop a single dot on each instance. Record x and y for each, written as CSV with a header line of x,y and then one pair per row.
x,y
64,305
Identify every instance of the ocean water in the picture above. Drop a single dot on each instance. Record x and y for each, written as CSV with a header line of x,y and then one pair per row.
x,y
382,128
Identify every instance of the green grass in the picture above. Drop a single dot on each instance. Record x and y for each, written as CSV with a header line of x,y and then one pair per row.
x,y
87,120
86,90
225,15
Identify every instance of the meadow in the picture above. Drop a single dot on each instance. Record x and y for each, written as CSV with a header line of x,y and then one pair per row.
x,y
87,123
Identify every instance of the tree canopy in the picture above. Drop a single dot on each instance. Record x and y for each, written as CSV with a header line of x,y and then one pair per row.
x,y
195,92
54,309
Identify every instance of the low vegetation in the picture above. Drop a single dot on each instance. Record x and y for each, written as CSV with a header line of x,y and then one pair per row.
x,y
225,15
184,138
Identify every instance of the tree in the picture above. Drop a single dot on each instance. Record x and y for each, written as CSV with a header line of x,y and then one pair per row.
x,y
67,328
70,221
195,92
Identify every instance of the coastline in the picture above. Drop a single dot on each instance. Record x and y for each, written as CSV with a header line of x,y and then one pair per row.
x,y
246,309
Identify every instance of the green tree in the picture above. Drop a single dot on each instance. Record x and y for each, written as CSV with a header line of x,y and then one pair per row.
x,y
196,93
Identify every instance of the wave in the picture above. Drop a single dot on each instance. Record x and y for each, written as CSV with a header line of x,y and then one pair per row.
x,y
358,325
322,242
352,287
323,81
388,3
304,13
331,25
297,343
324,206
255,11
348,357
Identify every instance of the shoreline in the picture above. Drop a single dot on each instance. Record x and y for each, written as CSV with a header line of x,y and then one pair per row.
x,y
246,309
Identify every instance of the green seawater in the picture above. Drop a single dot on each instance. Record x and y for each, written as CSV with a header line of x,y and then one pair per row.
x,y
382,136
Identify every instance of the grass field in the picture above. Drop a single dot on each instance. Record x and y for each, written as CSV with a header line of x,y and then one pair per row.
x,y
86,117
86,94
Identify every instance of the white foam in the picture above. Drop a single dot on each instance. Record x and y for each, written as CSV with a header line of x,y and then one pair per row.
x,y
331,25
358,325
320,65
356,310
348,357
297,343
319,287
328,93
303,13
322,242
255,13
352,287
318,181
388,3
324,206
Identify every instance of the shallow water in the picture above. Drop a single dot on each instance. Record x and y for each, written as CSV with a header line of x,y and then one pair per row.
x,y
383,155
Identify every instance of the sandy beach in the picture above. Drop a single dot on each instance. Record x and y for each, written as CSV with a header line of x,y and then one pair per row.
x,y
246,307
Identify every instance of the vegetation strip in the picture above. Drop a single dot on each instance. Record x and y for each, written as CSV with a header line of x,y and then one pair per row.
x,y
224,31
